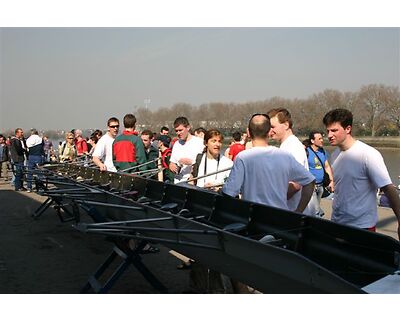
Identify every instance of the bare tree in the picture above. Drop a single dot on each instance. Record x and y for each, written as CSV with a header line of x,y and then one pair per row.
x,y
392,111
375,100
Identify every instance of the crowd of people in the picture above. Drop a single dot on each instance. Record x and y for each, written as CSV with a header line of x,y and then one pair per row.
x,y
293,176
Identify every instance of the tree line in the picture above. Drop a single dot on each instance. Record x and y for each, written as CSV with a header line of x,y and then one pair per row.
x,y
376,110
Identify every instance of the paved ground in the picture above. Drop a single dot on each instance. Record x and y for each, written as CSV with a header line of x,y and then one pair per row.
x,y
47,256
387,223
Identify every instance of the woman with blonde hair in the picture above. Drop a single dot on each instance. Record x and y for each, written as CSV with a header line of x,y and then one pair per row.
x,y
67,151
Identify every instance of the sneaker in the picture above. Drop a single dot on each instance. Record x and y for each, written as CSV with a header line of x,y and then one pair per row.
x,y
29,190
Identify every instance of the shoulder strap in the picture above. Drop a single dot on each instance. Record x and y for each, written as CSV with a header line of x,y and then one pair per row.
x,y
322,164
195,170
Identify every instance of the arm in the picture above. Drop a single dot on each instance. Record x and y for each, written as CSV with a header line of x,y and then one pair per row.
x,y
234,183
293,188
394,200
186,161
140,155
329,171
306,193
100,164
173,167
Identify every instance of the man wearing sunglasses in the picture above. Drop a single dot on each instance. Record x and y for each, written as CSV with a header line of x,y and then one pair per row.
x,y
102,154
262,174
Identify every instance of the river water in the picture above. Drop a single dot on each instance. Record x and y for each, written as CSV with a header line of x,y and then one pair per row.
x,y
392,160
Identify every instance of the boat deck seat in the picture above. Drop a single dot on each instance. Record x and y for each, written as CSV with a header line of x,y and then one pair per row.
x,y
231,215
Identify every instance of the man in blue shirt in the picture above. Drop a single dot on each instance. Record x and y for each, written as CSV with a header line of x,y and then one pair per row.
x,y
318,164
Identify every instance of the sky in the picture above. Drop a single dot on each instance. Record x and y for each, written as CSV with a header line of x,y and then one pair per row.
x,y
62,78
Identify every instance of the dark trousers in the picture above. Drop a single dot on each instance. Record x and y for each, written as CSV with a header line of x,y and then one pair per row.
x,y
32,164
19,172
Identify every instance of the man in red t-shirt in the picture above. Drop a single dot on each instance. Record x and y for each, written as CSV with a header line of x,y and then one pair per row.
x,y
80,143
236,147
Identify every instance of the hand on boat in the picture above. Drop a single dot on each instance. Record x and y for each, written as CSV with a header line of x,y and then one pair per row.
x,y
174,168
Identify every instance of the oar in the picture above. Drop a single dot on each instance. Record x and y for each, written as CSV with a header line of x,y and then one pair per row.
x,y
140,165
146,171
149,174
204,176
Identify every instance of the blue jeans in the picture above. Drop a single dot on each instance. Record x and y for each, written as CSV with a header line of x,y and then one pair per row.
x,y
315,202
19,172
33,161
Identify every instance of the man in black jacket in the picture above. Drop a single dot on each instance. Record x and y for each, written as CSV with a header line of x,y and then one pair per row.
x,y
18,158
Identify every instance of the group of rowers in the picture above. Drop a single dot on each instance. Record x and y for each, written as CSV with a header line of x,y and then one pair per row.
x,y
290,177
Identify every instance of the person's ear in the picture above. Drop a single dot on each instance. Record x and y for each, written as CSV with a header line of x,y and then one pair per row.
x,y
248,133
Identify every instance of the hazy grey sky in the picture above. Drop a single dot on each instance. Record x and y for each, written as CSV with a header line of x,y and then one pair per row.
x,y
79,77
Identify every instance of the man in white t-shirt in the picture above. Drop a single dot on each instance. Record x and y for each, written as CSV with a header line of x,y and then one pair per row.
x,y
184,151
281,131
358,172
262,173
102,154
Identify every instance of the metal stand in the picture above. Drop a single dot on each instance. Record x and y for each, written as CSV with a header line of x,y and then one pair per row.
x,y
42,208
128,257
60,207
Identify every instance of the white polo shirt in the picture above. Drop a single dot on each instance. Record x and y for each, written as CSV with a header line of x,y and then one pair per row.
x,y
186,149
103,151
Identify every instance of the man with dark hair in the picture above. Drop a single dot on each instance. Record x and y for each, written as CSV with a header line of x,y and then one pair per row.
x,y
164,131
282,131
200,132
184,151
102,154
318,164
128,149
17,152
236,146
274,167
150,151
358,171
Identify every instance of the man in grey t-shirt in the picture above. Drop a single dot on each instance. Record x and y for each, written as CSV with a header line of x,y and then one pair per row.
x,y
262,173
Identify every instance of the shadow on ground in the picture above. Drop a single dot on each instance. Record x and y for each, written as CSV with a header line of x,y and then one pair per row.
x,y
48,256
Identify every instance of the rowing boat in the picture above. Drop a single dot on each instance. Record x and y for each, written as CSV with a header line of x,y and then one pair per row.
x,y
270,249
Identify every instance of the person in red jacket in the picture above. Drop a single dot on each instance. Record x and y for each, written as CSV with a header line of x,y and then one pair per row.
x,y
236,147
128,148
80,143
